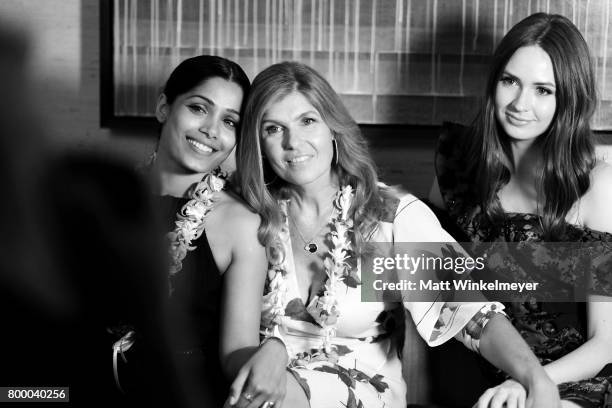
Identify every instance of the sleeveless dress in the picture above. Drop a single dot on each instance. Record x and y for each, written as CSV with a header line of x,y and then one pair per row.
x,y
363,367
552,330
194,317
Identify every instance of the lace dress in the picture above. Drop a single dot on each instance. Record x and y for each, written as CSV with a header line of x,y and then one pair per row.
x,y
552,330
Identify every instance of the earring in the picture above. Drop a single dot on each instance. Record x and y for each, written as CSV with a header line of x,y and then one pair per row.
x,y
335,154
145,165
151,158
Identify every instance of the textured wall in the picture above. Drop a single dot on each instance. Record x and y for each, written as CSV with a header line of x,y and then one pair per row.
x,y
64,67
64,63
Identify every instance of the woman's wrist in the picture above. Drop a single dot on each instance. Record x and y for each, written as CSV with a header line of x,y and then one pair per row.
x,y
274,341
474,329
537,377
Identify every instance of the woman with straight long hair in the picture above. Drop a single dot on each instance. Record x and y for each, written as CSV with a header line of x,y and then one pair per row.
x,y
530,173
304,166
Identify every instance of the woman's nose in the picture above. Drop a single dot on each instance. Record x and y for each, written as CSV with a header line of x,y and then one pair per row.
x,y
291,139
210,127
521,101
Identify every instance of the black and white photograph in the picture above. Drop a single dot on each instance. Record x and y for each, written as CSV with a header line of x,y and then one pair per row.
x,y
306,203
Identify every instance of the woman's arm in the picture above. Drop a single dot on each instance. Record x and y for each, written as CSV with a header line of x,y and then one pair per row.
x,y
503,346
243,282
258,372
587,360
499,342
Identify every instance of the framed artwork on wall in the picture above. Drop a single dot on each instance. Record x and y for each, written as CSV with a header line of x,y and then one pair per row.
x,y
394,62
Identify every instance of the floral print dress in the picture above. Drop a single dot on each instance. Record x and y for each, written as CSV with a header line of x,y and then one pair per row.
x,y
361,367
552,330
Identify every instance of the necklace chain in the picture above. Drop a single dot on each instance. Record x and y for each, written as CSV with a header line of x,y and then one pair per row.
x,y
309,245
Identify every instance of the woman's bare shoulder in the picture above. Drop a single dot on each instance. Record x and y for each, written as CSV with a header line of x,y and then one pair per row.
x,y
233,212
602,171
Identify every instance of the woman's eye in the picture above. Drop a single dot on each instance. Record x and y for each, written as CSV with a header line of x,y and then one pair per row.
x,y
508,81
197,109
271,130
543,91
308,121
230,123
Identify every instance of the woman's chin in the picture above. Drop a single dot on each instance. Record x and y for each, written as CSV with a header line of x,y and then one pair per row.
x,y
200,165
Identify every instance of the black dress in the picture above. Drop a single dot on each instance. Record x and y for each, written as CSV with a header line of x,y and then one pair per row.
x,y
552,330
194,316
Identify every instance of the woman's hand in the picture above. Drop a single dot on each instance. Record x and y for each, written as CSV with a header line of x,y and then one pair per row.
x,y
542,393
503,346
262,379
510,393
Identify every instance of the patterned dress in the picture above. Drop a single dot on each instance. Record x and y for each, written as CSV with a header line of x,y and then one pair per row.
x,y
552,330
363,367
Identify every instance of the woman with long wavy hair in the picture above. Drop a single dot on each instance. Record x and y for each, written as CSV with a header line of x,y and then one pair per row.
x,y
529,173
304,166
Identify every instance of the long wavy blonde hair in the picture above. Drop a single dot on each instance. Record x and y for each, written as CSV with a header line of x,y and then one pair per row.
x,y
354,165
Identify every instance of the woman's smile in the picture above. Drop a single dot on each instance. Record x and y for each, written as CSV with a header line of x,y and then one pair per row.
x,y
298,160
200,147
296,141
516,120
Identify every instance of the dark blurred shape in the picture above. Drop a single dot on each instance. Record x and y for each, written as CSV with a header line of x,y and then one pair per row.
x,y
81,255
106,244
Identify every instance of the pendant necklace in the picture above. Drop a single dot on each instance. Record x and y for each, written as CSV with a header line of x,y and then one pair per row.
x,y
309,245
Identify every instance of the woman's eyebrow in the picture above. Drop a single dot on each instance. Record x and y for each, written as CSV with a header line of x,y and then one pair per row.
x,y
538,83
506,73
545,83
212,103
310,112
299,115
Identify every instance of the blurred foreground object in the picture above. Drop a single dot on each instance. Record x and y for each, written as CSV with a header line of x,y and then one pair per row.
x,y
80,254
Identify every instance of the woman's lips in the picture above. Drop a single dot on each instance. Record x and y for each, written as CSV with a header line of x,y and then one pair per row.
x,y
297,160
517,121
199,146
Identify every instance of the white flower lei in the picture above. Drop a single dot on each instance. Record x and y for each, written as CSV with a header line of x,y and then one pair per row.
x,y
324,309
190,218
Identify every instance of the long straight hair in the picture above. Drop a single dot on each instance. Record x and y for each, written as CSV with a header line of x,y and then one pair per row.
x,y
354,166
567,148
